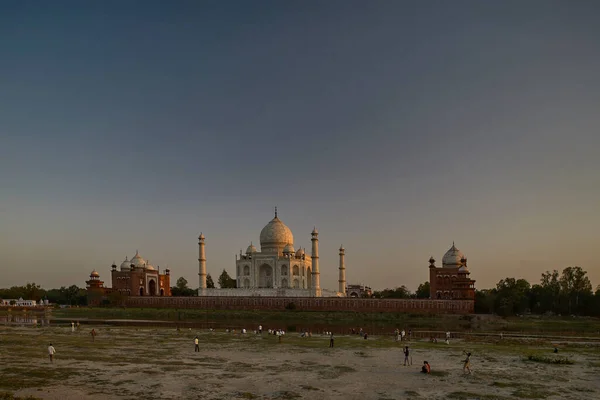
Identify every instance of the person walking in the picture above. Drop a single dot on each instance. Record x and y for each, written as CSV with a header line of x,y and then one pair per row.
x,y
196,345
72,326
331,340
93,333
406,354
51,352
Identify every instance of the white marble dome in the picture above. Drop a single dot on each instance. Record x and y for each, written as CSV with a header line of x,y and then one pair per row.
x,y
138,261
251,249
289,249
452,258
276,234
300,252
126,265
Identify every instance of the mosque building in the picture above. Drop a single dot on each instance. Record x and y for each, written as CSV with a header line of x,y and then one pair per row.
x,y
451,281
278,269
135,277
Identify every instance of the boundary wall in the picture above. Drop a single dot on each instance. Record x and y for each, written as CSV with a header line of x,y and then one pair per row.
x,y
416,306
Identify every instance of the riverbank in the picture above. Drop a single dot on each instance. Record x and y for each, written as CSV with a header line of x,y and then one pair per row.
x,y
127,363
374,321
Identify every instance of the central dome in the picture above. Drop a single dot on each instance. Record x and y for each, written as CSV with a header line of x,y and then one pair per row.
x,y
275,236
452,258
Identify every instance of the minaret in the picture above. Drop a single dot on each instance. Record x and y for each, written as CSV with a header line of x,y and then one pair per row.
x,y
202,265
342,280
315,264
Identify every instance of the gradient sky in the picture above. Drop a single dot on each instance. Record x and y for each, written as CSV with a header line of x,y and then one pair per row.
x,y
393,127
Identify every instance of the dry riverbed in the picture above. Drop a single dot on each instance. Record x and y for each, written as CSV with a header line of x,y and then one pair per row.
x,y
132,363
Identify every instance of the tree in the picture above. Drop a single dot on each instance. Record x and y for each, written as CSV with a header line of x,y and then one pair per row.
x,y
512,296
210,284
398,293
225,281
575,286
181,288
423,291
182,284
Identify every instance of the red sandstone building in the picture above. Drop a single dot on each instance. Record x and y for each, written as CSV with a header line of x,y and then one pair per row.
x,y
451,281
135,277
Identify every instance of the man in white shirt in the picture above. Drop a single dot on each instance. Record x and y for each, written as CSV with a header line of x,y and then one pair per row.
x,y
51,351
196,345
260,329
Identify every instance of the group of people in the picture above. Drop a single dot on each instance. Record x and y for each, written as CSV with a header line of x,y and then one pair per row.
x,y
426,368
400,335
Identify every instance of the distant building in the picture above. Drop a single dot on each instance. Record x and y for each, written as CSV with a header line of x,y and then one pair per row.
x,y
358,291
451,281
135,277
19,303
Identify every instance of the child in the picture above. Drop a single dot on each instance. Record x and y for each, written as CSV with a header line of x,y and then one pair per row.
x,y
467,366
51,351
425,368
406,361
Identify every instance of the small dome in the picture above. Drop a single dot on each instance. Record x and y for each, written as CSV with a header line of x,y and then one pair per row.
x,y
452,257
464,269
275,235
300,252
138,261
201,237
289,249
126,265
315,232
94,274
251,249
150,267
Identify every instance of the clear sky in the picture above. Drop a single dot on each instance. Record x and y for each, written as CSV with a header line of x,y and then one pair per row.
x,y
394,127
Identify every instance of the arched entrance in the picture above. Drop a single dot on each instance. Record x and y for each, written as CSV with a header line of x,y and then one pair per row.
x,y
247,283
152,287
284,283
265,276
162,292
141,291
296,284
308,278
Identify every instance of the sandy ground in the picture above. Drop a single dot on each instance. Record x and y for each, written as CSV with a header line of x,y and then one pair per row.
x,y
130,363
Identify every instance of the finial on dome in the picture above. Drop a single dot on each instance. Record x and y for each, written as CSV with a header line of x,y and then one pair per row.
x,y
136,252
275,211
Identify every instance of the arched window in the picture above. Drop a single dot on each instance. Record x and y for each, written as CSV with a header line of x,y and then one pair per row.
x,y
303,270
284,270
246,270
246,283
295,270
284,283
296,284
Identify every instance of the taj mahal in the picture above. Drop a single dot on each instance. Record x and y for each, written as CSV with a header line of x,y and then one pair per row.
x,y
278,269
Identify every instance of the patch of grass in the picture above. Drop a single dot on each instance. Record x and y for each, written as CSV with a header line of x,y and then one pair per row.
x,y
308,387
10,396
475,396
439,373
286,395
247,395
549,360
531,394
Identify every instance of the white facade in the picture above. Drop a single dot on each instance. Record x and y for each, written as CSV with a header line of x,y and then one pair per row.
x,y
19,303
276,270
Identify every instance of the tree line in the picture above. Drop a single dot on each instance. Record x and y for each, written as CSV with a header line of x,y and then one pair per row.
x,y
566,293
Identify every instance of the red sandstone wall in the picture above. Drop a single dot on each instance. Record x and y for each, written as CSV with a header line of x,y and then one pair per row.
x,y
307,304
